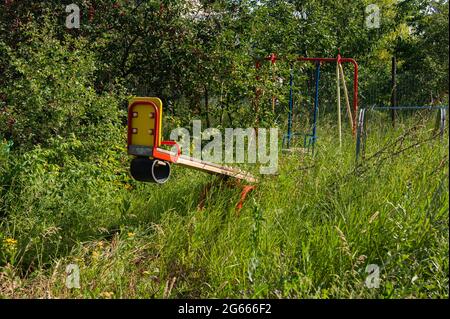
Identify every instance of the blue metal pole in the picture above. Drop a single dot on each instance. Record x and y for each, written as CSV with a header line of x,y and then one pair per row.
x,y
409,107
291,106
316,105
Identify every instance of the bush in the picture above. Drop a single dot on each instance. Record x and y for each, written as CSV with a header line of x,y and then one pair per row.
x,y
49,91
62,150
58,194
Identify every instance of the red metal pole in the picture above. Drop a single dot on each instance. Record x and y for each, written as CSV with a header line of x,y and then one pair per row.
x,y
317,59
272,58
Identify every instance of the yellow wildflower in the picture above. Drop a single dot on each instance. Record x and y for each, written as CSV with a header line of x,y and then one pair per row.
x,y
95,254
10,243
107,294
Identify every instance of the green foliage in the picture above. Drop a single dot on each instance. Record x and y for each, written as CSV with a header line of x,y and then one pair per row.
x,y
50,91
66,195
425,56
61,194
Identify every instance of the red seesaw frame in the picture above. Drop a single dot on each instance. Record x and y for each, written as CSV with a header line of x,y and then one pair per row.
x,y
160,154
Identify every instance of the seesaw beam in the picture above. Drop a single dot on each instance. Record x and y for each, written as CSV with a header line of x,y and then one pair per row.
x,y
208,167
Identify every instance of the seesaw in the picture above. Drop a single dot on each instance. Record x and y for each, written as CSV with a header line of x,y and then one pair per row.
x,y
151,162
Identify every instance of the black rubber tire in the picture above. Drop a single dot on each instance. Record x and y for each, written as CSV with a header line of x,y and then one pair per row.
x,y
148,170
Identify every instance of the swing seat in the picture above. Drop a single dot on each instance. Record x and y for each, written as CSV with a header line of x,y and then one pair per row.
x,y
308,140
292,150
286,137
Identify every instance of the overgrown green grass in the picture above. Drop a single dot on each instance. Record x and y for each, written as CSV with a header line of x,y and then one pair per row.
x,y
309,232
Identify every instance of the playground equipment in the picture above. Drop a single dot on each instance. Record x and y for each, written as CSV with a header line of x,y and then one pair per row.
x,y
361,136
151,162
310,139
406,96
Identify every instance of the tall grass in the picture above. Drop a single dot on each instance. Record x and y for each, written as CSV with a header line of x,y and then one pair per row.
x,y
308,232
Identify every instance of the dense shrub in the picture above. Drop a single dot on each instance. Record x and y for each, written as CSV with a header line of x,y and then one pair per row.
x,y
62,145
49,91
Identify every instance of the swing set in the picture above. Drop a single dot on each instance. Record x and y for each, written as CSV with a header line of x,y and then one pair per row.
x,y
311,138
